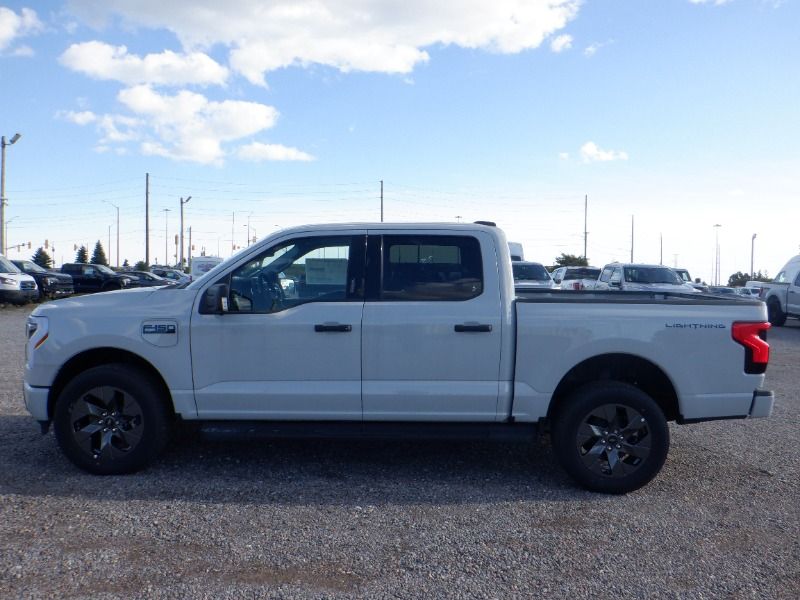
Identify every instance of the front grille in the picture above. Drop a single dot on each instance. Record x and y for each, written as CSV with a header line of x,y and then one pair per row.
x,y
27,285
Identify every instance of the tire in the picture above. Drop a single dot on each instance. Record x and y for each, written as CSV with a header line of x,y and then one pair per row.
x,y
112,419
775,315
610,437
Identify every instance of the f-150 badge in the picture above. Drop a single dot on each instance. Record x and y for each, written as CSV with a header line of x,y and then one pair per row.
x,y
162,333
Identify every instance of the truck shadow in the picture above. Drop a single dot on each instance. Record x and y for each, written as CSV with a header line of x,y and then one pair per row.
x,y
295,472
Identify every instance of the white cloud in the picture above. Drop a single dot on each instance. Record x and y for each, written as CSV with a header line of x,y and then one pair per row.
x,y
563,155
561,43
23,51
190,127
83,117
350,35
257,152
591,152
13,26
103,61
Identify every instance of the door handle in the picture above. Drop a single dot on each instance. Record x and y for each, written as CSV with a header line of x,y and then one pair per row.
x,y
323,327
472,327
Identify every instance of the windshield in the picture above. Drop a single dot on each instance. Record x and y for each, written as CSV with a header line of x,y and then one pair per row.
x,y
651,275
105,269
27,265
684,274
523,272
6,266
582,273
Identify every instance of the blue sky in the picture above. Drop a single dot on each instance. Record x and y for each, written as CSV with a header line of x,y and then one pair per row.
x,y
684,114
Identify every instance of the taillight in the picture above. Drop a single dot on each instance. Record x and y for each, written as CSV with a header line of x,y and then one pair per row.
x,y
577,285
753,336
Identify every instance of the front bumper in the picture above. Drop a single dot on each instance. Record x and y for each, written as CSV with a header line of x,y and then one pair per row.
x,y
36,401
19,296
762,404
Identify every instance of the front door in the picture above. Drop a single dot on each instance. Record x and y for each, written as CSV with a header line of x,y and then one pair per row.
x,y
290,345
432,328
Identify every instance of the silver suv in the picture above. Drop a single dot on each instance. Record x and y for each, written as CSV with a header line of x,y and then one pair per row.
x,y
631,277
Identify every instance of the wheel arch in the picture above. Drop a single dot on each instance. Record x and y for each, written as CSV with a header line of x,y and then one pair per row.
x,y
628,368
97,357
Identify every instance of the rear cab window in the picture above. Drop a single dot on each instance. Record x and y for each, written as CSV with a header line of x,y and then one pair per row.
x,y
436,267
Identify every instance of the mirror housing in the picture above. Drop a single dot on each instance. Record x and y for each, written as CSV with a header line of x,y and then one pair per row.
x,y
215,300
615,282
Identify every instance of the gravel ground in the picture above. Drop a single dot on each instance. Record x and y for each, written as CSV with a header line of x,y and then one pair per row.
x,y
346,519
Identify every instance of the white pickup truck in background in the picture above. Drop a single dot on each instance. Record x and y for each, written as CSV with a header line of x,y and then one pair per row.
x,y
392,329
782,294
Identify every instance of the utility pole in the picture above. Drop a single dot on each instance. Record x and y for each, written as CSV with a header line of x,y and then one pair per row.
x,y
381,200
109,241
631,238
716,253
182,203
166,235
585,217
3,199
147,218
752,250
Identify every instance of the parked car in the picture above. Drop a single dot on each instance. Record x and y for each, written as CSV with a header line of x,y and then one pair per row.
x,y
531,275
633,277
146,279
52,284
203,264
686,278
16,287
576,278
782,294
392,329
87,279
170,274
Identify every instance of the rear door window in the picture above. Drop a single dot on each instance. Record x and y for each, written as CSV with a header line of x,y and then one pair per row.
x,y
438,268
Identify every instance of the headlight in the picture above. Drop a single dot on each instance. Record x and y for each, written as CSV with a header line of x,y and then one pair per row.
x,y
50,281
7,281
31,326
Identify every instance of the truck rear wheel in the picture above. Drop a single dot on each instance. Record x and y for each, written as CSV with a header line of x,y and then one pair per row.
x,y
112,419
775,315
610,437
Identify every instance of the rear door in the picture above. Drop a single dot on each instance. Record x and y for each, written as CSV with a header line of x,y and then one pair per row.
x,y
432,327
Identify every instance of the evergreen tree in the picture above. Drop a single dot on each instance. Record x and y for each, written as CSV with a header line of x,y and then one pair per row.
x,y
141,266
99,255
739,278
570,260
125,263
42,258
82,256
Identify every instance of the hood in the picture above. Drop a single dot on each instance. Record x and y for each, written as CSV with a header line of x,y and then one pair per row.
x,y
660,287
143,301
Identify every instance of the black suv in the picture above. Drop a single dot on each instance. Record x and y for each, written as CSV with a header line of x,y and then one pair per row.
x,y
94,278
52,284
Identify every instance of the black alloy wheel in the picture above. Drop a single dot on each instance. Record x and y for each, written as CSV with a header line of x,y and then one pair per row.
x,y
610,437
112,419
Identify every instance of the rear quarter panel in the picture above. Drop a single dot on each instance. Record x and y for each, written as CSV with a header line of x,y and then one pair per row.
x,y
690,343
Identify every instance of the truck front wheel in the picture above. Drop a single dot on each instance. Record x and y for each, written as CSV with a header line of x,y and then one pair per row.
x,y
775,315
610,437
112,419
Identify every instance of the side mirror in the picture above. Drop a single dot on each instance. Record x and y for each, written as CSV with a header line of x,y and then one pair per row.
x,y
215,300
615,282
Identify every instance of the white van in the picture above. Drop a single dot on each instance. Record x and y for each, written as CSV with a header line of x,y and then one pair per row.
x,y
15,286
203,264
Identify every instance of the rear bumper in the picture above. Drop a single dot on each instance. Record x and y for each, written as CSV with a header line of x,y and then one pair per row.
x,y
762,404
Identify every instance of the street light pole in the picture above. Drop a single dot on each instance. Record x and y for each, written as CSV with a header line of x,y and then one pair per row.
x,y
3,199
752,249
166,236
182,203
109,241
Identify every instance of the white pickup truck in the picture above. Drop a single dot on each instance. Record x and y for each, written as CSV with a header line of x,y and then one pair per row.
x,y
782,294
382,329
